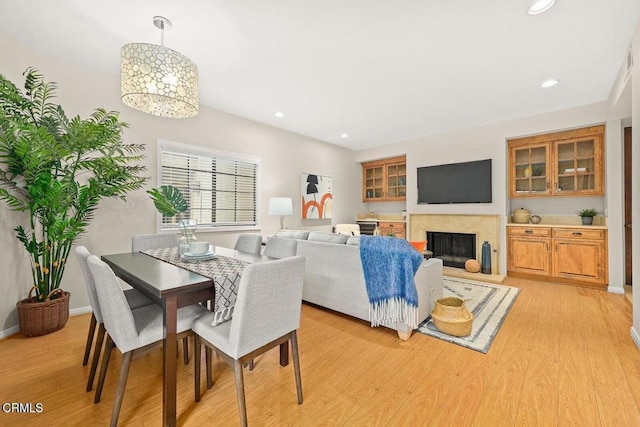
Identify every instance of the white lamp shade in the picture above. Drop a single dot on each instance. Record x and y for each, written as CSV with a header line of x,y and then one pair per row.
x,y
280,206
158,81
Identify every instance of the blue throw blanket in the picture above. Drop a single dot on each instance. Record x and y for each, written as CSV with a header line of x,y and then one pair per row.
x,y
389,266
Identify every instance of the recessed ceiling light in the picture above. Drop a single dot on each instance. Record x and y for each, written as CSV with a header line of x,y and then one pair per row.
x,y
344,135
539,6
549,83
279,114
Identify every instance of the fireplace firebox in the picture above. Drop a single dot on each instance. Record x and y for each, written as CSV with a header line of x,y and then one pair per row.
x,y
454,249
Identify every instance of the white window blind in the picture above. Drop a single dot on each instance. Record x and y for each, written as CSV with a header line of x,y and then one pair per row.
x,y
219,188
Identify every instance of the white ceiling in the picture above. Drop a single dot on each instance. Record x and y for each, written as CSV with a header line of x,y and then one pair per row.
x,y
379,70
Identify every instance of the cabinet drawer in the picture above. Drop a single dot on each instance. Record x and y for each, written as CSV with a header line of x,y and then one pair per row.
x,y
396,228
530,231
578,233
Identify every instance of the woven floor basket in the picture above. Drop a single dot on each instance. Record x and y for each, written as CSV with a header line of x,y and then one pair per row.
x,y
451,316
41,318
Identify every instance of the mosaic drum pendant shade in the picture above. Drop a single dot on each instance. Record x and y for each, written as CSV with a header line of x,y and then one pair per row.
x,y
158,81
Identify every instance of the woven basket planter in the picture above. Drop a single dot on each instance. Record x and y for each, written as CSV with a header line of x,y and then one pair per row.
x,y
450,315
41,318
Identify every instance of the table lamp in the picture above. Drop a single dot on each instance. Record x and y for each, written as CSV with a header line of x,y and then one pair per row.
x,y
280,206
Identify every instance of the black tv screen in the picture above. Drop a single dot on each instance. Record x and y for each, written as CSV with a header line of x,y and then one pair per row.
x,y
468,182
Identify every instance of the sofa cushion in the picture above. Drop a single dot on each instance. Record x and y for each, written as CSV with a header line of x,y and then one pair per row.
x,y
322,236
354,241
293,234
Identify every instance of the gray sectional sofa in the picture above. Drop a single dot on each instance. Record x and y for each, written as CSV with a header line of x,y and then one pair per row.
x,y
334,277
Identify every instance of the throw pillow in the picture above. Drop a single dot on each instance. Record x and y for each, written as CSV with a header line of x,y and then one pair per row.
x,y
354,241
322,236
293,234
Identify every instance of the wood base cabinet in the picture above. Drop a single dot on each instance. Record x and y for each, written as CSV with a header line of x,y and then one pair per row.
x,y
529,251
580,254
564,255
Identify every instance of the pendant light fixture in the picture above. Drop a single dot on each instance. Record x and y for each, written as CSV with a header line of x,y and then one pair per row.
x,y
157,80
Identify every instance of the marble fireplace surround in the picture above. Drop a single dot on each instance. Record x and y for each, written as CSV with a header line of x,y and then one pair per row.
x,y
485,227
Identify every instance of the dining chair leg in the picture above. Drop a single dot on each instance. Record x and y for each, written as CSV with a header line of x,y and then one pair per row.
x,y
122,383
242,405
96,356
296,364
87,347
185,350
197,354
103,370
207,358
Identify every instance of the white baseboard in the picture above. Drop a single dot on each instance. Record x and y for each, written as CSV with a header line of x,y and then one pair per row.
x,y
615,290
635,337
8,332
73,312
80,310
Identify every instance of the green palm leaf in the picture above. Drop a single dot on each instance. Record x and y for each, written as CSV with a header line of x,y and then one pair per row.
x,y
168,200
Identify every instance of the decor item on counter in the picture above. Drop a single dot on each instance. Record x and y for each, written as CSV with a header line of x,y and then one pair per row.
x,y
486,258
521,216
371,214
587,215
451,316
535,219
490,305
157,80
55,170
280,206
472,266
317,197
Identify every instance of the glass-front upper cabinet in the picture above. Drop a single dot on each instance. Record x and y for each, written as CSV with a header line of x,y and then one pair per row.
x,y
576,167
384,180
568,163
530,169
396,180
373,185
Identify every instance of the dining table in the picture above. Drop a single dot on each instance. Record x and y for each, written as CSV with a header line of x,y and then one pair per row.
x,y
173,284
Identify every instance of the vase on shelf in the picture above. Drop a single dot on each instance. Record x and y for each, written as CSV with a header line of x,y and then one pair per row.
x,y
187,235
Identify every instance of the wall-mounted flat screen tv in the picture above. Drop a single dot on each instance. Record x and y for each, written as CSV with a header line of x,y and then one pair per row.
x,y
468,182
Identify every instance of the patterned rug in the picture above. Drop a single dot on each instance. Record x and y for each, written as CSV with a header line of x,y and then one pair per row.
x,y
490,305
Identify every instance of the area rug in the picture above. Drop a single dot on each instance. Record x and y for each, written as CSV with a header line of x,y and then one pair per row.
x,y
490,305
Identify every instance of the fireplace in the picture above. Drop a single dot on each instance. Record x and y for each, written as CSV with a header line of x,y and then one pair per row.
x,y
454,249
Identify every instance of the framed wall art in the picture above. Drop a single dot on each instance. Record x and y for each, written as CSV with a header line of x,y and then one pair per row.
x,y
316,196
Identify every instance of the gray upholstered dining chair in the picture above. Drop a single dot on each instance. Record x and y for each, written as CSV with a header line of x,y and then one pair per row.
x,y
128,329
266,314
134,299
142,242
250,243
277,247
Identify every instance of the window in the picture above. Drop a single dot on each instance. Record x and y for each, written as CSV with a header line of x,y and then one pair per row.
x,y
220,188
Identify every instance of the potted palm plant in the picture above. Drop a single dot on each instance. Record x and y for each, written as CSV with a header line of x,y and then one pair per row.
x,y
57,169
587,215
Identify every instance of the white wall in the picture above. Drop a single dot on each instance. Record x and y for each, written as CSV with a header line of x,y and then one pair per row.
x,y
635,178
284,156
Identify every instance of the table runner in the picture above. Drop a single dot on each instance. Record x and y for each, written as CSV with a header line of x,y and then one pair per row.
x,y
224,271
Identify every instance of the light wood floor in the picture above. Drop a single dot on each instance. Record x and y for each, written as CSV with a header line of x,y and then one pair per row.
x,y
563,356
